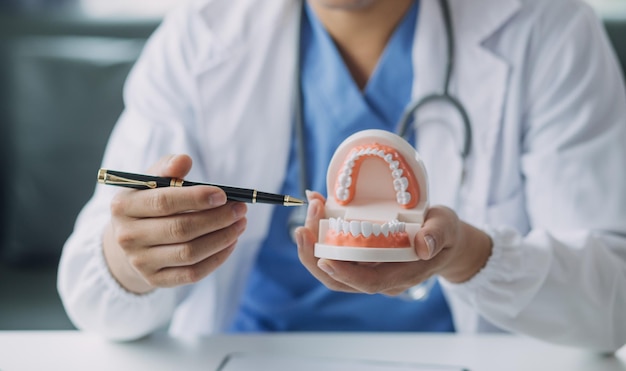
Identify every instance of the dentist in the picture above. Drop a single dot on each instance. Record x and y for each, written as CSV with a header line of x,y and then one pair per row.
x,y
528,234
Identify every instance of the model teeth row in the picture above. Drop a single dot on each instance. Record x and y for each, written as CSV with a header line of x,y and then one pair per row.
x,y
400,183
365,228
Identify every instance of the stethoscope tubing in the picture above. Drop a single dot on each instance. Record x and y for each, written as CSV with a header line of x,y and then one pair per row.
x,y
407,116
409,113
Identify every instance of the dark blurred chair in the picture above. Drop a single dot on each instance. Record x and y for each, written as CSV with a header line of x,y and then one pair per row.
x,y
64,98
61,81
616,29
62,88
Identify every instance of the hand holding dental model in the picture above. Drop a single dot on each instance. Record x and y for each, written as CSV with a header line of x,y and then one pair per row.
x,y
378,212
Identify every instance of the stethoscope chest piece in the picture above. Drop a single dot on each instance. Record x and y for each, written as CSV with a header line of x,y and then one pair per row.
x,y
377,198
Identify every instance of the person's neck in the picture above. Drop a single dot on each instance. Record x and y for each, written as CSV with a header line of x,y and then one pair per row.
x,y
361,34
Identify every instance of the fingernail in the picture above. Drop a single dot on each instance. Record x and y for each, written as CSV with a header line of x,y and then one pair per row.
x,y
326,268
299,239
312,210
430,243
308,194
217,199
239,209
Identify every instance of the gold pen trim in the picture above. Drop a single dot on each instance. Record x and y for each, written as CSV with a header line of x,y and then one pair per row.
x,y
292,201
105,178
254,193
176,182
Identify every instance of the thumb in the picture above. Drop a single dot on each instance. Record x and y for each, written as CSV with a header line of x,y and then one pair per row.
x,y
315,211
173,166
438,232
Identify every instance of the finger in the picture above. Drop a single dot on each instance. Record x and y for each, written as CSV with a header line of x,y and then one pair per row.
x,y
386,278
151,260
179,228
312,195
315,211
306,244
438,232
177,276
166,201
173,166
204,247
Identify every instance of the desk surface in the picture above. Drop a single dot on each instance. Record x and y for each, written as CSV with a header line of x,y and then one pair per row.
x,y
73,350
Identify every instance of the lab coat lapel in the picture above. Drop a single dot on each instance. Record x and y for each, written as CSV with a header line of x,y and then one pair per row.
x,y
247,74
479,81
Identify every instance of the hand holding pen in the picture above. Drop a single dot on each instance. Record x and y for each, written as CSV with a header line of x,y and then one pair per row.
x,y
171,236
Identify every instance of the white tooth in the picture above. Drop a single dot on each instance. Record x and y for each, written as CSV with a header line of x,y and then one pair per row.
x,y
389,157
397,173
332,224
354,156
355,228
342,193
381,154
384,229
366,229
393,165
350,164
339,226
401,184
402,227
345,180
376,229
345,227
403,198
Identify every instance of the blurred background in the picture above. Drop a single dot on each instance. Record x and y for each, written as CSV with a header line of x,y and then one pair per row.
x,y
62,67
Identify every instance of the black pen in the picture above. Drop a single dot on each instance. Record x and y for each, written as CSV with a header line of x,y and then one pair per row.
x,y
139,181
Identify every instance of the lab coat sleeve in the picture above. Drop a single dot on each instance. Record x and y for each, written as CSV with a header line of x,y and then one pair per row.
x,y
565,281
156,122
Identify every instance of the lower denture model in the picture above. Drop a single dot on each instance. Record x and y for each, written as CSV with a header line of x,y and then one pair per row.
x,y
377,198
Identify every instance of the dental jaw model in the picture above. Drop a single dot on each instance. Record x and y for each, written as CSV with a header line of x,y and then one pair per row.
x,y
377,198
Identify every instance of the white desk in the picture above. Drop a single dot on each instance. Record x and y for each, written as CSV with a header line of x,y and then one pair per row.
x,y
78,351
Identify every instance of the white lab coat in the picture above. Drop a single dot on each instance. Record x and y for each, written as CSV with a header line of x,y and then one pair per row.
x,y
545,177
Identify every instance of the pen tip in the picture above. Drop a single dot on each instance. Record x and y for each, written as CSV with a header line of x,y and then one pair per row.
x,y
292,201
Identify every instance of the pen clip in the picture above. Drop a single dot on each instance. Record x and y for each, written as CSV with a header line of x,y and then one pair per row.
x,y
106,178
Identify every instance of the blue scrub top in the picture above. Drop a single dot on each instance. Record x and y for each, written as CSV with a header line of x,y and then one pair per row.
x,y
281,294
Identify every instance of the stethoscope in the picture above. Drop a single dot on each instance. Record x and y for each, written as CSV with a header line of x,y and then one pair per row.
x,y
298,215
